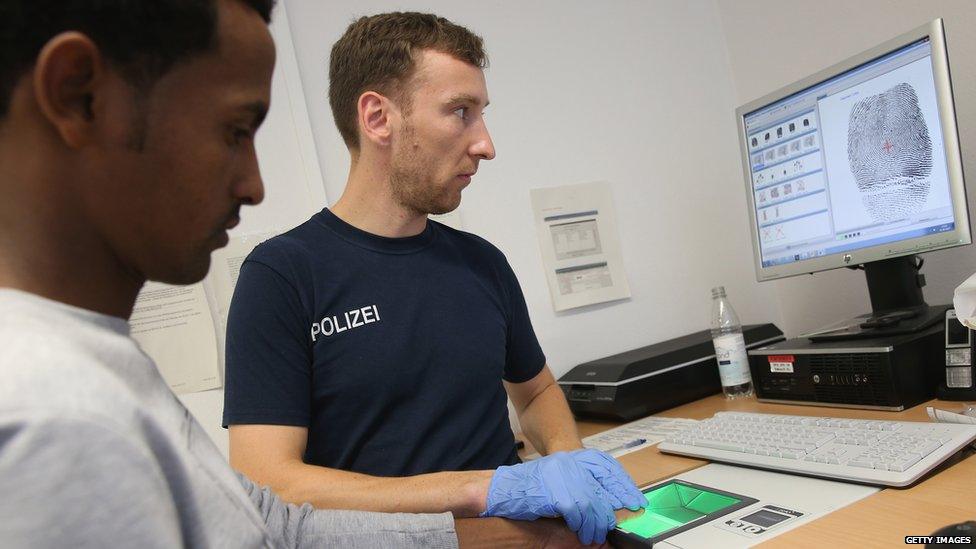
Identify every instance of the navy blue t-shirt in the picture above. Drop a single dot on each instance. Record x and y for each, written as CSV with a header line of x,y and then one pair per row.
x,y
391,351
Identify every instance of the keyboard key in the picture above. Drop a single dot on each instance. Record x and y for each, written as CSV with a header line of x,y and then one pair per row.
x,y
719,445
902,464
927,448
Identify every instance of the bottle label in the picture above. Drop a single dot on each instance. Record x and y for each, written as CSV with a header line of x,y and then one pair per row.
x,y
733,363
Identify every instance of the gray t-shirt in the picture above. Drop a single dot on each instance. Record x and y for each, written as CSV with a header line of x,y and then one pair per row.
x,y
96,451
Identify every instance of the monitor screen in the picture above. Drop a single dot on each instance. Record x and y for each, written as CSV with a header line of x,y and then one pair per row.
x,y
857,163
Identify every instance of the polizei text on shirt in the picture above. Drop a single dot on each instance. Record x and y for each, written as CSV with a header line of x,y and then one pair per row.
x,y
331,325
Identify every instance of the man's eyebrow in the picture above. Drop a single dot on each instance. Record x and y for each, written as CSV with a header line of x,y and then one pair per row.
x,y
466,98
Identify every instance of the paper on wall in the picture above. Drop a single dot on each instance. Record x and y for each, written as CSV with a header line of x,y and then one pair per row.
x,y
174,326
577,230
225,266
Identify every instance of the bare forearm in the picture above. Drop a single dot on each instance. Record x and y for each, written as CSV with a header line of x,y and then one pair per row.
x,y
462,493
548,423
499,533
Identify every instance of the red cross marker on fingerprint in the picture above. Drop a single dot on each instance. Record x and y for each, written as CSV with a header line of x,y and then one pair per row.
x,y
887,146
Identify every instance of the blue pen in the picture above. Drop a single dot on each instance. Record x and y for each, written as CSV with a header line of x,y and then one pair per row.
x,y
631,444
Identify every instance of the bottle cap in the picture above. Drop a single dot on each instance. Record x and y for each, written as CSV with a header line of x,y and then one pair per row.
x,y
718,291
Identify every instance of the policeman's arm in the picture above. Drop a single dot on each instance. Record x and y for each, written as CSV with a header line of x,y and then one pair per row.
x,y
544,413
271,455
558,485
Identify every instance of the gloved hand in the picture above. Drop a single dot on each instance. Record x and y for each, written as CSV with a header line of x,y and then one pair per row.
x,y
612,476
555,485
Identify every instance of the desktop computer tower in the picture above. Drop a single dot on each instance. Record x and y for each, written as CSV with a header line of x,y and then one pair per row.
x,y
892,373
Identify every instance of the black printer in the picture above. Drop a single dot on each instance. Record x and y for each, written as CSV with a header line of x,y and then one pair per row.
x,y
640,382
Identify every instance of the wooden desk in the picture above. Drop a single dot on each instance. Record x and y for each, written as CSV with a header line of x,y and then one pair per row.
x,y
946,496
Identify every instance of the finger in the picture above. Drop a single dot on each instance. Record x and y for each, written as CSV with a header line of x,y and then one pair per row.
x,y
605,519
602,521
609,493
624,487
604,504
626,493
611,474
611,520
571,513
588,525
631,496
620,494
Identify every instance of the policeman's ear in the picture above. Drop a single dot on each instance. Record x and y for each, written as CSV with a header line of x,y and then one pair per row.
x,y
66,79
377,117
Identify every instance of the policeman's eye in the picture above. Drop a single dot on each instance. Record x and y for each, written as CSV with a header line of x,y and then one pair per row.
x,y
461,112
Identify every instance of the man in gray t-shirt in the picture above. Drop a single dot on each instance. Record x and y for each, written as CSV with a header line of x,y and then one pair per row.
x,y
126,152
95,451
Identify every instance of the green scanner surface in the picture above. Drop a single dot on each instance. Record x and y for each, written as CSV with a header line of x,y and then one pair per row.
x,y
673,505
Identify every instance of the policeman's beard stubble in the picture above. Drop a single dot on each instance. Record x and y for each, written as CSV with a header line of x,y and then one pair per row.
x,y
410,179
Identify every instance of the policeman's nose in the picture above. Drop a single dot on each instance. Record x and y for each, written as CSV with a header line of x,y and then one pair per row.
x,y
483,147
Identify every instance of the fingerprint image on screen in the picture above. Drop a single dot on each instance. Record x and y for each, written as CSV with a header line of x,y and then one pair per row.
x,y
890,153
673,505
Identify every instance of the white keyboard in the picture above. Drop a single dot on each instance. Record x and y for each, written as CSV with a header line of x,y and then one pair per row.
x,y
892,453
637,435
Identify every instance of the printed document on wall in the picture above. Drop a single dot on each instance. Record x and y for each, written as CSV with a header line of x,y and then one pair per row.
x,y
580,244
174,326
225,266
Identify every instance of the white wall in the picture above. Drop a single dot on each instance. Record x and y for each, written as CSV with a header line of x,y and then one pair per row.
x,y
772,43
633,92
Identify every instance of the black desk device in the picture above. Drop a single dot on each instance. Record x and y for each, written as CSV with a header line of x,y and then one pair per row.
x,y
637,383
889,373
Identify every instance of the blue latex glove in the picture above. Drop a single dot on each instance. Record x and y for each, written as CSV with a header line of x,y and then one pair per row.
x,y
555,485
612,476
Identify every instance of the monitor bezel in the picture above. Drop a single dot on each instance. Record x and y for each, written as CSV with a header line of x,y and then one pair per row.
x,y
959,236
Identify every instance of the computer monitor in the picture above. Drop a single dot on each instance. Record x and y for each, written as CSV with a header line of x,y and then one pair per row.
x,y
859,166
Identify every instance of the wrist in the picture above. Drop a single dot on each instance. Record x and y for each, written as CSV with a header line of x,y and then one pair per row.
x,y
475,493
567,445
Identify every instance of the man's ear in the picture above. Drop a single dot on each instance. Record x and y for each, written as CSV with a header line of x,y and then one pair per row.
x,y
377,116
66,77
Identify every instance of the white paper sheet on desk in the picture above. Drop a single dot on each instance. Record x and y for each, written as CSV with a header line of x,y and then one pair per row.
x,y
174,326
945,416
577,230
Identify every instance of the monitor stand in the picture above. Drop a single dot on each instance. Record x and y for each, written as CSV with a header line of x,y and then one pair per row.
x,y
895,286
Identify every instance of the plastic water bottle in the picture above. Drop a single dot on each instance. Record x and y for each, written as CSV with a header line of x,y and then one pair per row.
x,y
730,347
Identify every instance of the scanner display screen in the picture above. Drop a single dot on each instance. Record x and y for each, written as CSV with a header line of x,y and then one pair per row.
x,y
764,518
674,504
